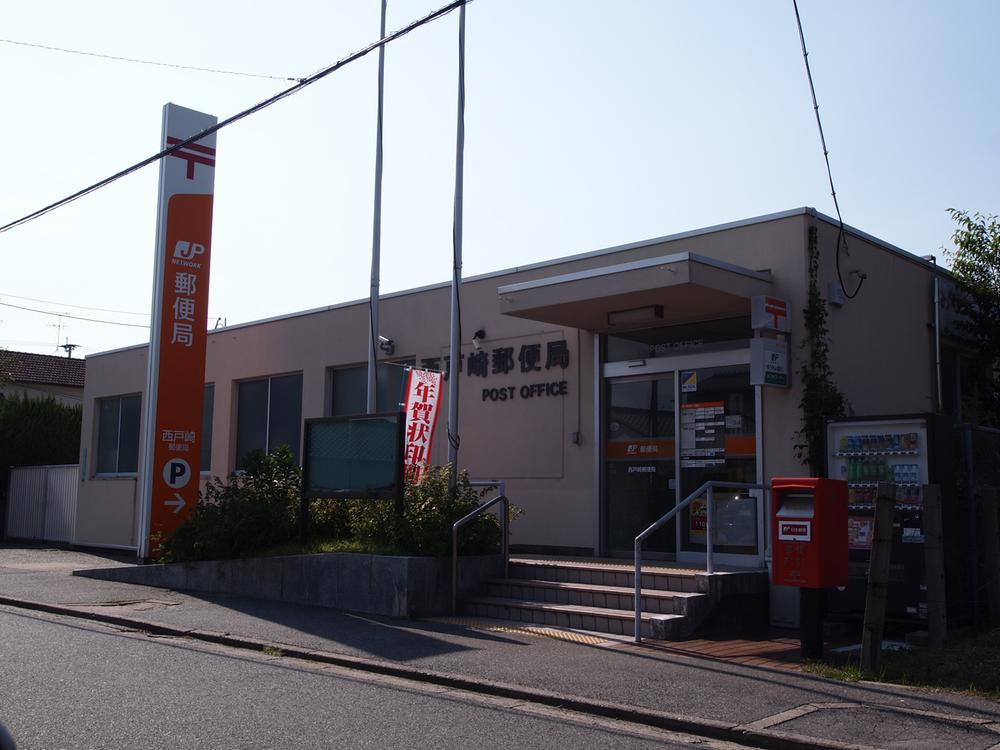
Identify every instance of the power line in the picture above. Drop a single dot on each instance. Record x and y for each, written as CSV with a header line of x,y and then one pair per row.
x,y
75,317
20,342
78,307
841,235
148,62
440,12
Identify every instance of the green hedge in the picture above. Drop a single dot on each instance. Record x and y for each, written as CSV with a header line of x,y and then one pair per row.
x,y
35,432
429,511
256,513
255,510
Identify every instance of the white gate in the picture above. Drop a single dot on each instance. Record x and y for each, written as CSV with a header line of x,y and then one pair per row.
x,y
41,503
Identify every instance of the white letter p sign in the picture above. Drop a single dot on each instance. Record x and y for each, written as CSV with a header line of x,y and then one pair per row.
x,y
176,473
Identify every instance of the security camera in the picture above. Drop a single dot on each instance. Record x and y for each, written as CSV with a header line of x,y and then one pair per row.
x,y
477,338
387,345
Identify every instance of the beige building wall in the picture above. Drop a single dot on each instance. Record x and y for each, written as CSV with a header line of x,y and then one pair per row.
x,y
106,506
547,448
881,342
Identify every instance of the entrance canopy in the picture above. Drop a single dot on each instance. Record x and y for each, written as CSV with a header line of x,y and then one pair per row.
x,y
669,289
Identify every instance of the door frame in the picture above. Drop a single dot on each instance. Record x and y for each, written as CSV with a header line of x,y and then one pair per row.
x,y
658,365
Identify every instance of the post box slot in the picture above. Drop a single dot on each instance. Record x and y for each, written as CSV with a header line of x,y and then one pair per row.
x,y
796,505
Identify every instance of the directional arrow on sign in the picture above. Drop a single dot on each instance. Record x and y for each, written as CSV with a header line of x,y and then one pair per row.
x,y
178,503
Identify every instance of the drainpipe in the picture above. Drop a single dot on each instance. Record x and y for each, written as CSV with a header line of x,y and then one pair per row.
x,y
937,338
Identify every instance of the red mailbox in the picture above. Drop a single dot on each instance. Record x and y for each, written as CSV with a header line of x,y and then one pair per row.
x,y
809,532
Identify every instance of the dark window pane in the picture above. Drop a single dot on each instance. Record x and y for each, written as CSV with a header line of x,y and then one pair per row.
x,y
666,341
251,418
128,437
107,435
285,426
391,379
640,468
207,412
350,386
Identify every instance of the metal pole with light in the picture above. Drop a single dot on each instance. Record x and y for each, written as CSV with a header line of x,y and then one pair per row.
x,y
373,331
455,367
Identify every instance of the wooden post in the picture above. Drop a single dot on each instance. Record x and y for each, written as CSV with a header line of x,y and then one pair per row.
x,y
878,579
991,552
937,620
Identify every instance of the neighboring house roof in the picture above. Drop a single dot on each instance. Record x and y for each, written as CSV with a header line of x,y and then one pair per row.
x,y
48,369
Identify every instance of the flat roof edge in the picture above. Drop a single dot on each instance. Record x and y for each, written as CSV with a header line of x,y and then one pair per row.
x,y
761,219
882,243
635,265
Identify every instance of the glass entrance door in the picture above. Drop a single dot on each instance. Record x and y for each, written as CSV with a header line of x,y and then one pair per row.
x,y
640,461
718,440
671,425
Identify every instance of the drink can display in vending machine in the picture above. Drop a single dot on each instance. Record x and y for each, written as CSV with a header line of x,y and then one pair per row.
x,y
897,449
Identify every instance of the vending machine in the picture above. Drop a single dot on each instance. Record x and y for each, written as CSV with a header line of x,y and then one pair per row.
x,y
864,452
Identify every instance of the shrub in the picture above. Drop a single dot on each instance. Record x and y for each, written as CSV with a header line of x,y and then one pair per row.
x,y
329,519
430,509
255,510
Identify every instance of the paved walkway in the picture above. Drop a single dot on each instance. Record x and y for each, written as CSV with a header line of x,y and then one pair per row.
x,y
721,689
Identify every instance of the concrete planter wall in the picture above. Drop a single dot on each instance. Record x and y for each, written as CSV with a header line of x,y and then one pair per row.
x,y
373,584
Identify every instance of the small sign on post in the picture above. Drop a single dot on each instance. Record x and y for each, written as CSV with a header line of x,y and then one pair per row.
x,y
769,313
769,362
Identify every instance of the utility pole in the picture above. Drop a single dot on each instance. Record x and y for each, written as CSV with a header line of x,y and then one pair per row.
x,y
455,367
373,330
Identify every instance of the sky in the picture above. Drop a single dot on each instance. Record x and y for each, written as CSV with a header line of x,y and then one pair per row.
x,y
588,125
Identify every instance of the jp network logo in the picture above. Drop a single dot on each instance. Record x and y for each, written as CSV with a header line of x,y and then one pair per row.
x,y
188,250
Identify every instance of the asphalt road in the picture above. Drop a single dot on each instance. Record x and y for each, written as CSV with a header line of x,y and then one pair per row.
x,y
71,684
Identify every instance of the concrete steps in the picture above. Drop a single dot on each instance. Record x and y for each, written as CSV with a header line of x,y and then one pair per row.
x,y
596,595
607,573
592,595
596,619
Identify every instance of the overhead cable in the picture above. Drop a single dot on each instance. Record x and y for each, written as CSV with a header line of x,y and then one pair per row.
x,y
74,317
443,11
148,62
78,307
841,235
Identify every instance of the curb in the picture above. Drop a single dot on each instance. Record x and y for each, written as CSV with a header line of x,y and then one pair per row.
x,y
757,738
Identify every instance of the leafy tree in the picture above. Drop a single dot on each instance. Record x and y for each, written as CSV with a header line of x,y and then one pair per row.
x,y
976,263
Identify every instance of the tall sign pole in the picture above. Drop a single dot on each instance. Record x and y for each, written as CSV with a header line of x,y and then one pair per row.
x,y
455,366
373,331
175,381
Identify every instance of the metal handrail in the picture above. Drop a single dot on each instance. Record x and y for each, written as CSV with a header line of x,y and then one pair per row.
x,y
706,489
504,535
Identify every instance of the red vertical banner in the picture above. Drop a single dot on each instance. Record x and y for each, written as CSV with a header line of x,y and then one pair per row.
x,y
174,396
423,395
